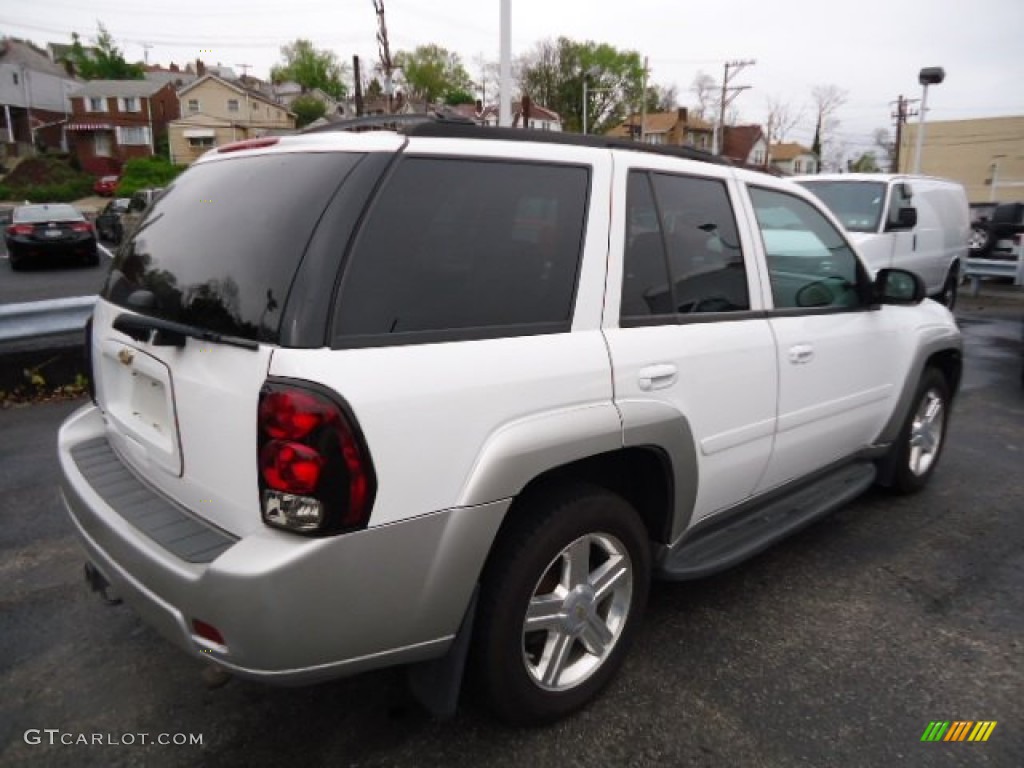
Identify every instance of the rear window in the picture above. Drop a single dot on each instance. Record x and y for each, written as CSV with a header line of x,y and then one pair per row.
x,y
39,213
220,247
465,249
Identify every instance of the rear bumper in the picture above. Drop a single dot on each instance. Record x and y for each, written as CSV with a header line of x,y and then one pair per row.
x,y
291,609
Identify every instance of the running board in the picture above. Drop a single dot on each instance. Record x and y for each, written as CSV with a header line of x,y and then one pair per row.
x,y
720,545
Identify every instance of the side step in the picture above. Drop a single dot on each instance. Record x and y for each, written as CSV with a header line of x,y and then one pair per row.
x,y
722,544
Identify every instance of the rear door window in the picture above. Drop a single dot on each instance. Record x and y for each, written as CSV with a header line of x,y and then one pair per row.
x,y
220,247
460,248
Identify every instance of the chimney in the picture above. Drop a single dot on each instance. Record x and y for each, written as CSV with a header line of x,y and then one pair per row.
x,y
174,67
682,115
526,110
200,68
479,107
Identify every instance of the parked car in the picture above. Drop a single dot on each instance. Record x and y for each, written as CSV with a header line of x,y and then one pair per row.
x,y
138,204
48,232
470,440
108,222
918,223
106,186
996,236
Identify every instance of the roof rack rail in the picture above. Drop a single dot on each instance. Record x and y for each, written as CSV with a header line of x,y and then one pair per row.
x,y
451,125
390,122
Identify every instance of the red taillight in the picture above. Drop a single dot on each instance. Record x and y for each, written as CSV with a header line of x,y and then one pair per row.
x,y
238,146
20,229
315,471
81,226
208,632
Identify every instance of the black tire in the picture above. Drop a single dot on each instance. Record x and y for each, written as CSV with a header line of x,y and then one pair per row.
x,y
15,259
979,241
93,259
917,451
530,563
950,289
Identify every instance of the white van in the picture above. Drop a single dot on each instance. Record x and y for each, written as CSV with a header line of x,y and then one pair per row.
x,y
918,223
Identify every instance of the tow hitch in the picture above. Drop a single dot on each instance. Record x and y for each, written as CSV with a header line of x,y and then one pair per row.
x,y
98,583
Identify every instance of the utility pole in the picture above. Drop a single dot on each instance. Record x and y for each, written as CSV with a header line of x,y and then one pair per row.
x,y
384,50
901,114
643,104
145,52
357,78
505,64
245,70
729,92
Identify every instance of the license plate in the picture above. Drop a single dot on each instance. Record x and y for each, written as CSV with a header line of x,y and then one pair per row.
x,y
52,233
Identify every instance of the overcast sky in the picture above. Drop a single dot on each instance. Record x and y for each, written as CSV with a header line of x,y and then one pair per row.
x,y
871,48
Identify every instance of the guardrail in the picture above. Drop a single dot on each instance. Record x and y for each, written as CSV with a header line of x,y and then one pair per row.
x,y
975,269
44,318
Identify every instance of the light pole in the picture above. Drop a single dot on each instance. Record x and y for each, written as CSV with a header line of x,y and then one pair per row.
x,y
927,76
995,178
586,78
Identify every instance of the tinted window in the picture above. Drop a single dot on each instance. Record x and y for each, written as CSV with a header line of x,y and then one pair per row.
x,y
55,212
220,247
452,245
857,204
809,263
693,223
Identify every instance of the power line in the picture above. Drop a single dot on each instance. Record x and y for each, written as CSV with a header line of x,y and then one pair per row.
x,y
729,93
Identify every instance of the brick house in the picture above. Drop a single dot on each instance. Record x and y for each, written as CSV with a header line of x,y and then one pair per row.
x,y
746,144
113,121
676,128
33,99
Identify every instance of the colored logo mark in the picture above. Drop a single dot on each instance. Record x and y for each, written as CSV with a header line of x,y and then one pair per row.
x,y
958,730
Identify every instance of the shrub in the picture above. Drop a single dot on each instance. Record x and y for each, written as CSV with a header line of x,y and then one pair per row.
x,y
46,179
142,172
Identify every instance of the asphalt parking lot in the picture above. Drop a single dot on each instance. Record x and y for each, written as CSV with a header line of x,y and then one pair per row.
x,y
836,648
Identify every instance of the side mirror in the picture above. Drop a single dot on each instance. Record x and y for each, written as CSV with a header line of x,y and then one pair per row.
x,y
898,286
906,218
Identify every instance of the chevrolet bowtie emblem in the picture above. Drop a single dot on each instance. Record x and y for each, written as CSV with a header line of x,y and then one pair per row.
x,y
126,356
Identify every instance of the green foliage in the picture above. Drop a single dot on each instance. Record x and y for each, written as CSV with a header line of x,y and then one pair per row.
x,y
310,68
46,179
866,163
105,62
459,96
307,109
552,74
374,90
144,172
432,73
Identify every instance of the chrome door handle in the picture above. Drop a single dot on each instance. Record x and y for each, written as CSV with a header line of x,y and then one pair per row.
x,y
657,376
801,353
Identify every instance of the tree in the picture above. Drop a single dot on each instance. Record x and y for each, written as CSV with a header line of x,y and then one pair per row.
x,y
662,98
883,142
553,75
374,90
433,73
104,61
307,108
707,94
827,99
866,163
311,68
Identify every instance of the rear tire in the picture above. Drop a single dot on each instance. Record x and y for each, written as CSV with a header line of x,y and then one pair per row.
x,y
15,259
948,295
923,436
979,241
577,567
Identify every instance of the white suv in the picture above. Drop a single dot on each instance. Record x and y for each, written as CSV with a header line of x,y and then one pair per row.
x,y
450,394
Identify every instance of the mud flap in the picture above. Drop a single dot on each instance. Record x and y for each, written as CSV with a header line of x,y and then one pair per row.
x,y
98,583
436,684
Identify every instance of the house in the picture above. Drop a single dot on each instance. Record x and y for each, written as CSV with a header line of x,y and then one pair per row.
x,y
793,159
173,74
676,128
34,99
215,111
746,145
113,121
536,117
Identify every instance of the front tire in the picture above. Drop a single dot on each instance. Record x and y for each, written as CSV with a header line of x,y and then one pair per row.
x,y
979,241
948,295
561,599
923,435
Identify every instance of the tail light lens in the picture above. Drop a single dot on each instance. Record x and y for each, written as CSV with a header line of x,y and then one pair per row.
x,y
316,475
81,226
20,229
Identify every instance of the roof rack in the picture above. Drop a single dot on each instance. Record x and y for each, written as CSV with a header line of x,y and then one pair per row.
x,y
451,125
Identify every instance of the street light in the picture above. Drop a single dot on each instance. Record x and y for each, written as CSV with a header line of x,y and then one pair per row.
x,y
995,177
592,72
927,76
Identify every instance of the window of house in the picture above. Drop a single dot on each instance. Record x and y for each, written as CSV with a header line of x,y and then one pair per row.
x,y
810,264
232,105
483,246
15,76
682,254
133,135
102,144
797,165
255,106
130,104
193,105
810,166
758,157
201,142
96,104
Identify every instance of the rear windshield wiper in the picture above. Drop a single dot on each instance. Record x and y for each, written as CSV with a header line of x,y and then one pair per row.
x,y
164,333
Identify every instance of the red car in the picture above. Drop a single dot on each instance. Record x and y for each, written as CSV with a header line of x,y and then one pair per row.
x,y
105,185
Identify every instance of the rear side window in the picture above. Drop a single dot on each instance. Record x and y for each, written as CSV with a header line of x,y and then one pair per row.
x,y
220,247
457,248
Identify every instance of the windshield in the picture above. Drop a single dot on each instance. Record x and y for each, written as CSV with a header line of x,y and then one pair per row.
x,y
857,204
220,247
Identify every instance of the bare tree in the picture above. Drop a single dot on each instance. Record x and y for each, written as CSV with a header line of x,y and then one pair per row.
x,y
882,140
706,91
827,99
780,120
